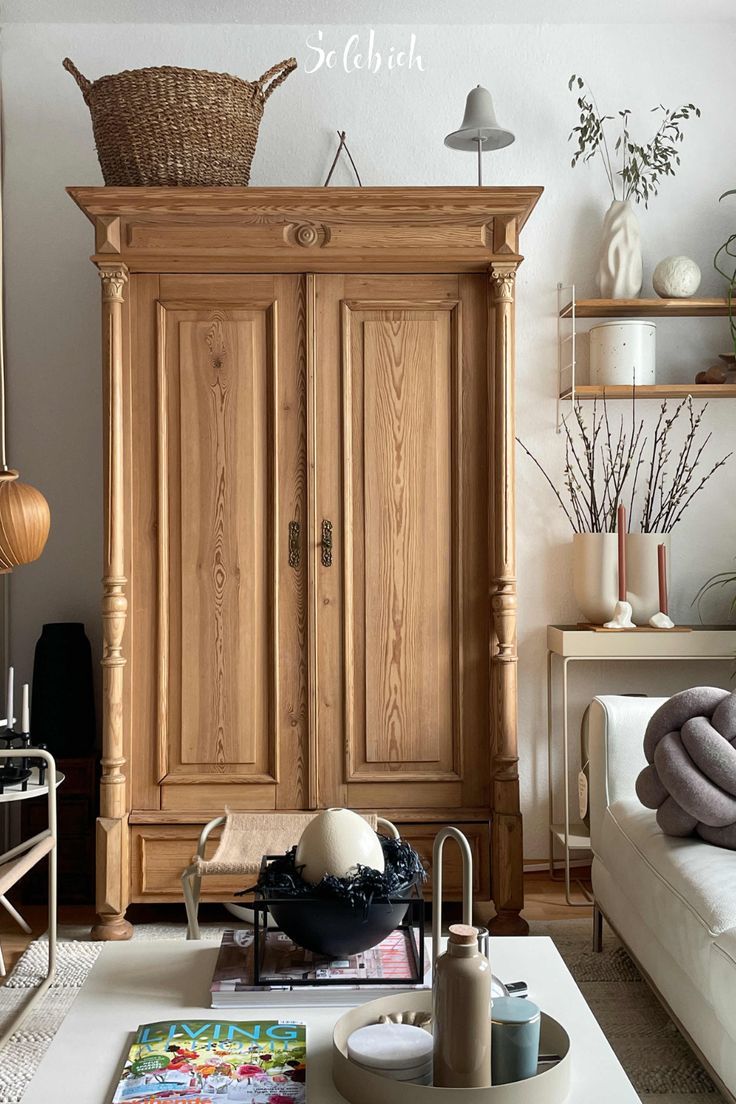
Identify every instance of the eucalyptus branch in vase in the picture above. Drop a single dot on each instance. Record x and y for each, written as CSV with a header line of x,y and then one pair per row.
x,y
642,167
634,171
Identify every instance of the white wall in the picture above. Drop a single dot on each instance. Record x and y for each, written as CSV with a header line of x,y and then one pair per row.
x,y
396,122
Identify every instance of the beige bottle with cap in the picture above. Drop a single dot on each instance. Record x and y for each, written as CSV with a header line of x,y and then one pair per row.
x,y
462,1018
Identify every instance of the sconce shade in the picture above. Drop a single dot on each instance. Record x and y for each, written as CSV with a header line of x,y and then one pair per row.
x,y
25,521
479,125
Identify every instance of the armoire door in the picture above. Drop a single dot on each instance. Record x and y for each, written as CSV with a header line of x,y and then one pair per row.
x,y
231,633
402,619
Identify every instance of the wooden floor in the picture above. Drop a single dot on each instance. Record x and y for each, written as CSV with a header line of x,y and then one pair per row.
x,y
545,900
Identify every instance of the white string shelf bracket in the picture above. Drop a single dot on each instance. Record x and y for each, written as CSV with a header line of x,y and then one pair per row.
x,y
566,348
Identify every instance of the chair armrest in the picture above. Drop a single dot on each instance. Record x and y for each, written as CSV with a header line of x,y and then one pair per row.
x,y
616,736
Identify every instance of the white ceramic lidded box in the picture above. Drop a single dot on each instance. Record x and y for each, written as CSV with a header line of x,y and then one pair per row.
x,y
623,352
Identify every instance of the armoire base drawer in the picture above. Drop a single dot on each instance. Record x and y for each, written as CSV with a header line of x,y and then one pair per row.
x,y
158,856
421,837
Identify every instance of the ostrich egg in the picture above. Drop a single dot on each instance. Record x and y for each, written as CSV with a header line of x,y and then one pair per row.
x,y
334,843
676,278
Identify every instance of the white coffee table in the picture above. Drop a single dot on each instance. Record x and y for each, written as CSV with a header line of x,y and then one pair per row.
x,y
146,981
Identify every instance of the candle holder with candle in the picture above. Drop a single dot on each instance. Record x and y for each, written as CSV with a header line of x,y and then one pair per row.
x,y
622,613
662,619
643,577
17,771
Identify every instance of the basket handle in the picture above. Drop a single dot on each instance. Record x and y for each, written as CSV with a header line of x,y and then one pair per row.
x,y
82,81
279,72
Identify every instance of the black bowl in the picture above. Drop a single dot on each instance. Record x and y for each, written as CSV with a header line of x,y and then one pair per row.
x,y
335,928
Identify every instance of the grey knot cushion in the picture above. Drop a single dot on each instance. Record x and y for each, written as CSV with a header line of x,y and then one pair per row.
x,y
690,745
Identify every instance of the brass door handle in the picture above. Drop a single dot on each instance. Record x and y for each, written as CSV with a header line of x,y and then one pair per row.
x,y
326,543
294,545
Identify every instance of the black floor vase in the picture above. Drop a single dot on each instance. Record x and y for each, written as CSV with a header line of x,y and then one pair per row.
x,y
62,697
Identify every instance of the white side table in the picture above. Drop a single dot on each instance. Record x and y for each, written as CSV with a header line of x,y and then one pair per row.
x,y
571,644
20,859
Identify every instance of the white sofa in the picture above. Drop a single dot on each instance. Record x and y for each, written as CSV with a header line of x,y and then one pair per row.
x,y
671,901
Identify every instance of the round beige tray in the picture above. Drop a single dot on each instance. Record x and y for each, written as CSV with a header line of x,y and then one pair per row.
x,y
359,1086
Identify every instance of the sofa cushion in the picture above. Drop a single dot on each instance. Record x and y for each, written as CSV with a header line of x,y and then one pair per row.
x,y
685,889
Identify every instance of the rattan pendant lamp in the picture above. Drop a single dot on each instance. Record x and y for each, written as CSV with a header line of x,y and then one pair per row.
x,y
24,512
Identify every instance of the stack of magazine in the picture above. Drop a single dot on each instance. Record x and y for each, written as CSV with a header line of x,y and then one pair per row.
x,y
286,966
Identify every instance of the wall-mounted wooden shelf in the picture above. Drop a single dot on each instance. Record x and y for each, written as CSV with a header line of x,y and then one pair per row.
x,y
654,391
644,308
572,308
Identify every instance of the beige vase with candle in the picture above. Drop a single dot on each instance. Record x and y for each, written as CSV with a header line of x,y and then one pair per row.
x,y
595,574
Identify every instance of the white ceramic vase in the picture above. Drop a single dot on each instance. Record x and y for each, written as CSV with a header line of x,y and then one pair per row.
x,y
334,843
595,574
620,264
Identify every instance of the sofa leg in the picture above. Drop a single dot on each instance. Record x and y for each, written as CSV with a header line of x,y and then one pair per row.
x,y
597,929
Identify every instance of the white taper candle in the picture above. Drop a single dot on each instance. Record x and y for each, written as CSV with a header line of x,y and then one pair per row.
x,y
25,717
9,699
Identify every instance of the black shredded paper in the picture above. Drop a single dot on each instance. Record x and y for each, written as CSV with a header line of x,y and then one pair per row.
x,y
404,868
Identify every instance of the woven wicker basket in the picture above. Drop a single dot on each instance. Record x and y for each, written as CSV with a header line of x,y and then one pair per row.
x,y
177,127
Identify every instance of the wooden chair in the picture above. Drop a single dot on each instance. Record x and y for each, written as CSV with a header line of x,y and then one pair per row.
x,y
245,839
16,862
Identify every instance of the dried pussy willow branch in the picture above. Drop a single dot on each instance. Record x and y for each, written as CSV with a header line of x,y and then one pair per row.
x,y
603,467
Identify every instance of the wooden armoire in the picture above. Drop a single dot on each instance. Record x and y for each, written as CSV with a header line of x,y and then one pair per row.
x,y
309,594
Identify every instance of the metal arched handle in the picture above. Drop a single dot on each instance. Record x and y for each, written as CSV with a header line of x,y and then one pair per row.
x,y
467,857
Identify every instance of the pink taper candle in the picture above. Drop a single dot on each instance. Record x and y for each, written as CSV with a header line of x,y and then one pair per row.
x,y
662,574
621,530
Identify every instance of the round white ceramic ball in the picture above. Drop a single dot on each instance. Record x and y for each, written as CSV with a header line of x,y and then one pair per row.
x,y
334,843
676,278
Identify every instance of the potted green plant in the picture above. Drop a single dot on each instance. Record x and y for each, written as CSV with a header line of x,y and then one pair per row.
x,y
638,177
720,581
725,252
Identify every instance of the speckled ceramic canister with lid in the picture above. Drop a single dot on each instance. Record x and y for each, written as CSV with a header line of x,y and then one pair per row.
x,y
623,352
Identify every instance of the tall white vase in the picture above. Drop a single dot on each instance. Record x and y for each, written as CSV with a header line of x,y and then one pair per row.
x,y
595,574
642,576
620,264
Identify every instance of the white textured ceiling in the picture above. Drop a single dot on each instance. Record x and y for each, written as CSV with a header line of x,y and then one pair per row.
x,y
367,11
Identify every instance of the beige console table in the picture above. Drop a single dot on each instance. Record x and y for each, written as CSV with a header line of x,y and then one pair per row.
x,y
571,644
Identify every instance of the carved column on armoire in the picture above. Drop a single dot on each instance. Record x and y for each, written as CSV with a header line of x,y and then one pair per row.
x,y
112,829
507,878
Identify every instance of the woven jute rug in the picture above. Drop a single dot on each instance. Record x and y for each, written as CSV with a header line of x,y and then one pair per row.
x,y
656,1058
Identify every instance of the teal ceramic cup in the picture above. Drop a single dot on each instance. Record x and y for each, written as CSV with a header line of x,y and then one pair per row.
x,y
514,1040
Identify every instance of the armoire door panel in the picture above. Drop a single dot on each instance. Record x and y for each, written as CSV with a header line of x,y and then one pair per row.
x,y
398,410
408,362
231,586
218,379
226,413
407,414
